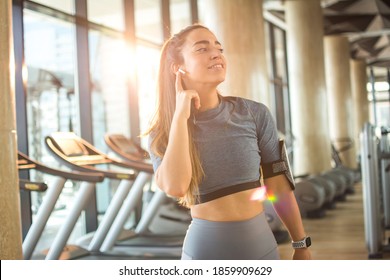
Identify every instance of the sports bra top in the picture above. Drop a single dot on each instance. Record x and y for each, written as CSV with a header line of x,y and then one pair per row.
x,y
233,139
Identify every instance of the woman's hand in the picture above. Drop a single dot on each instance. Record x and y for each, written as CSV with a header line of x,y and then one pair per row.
x,y
184,98
302,254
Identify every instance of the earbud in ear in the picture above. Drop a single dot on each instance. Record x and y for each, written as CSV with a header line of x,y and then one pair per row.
x,y
181,71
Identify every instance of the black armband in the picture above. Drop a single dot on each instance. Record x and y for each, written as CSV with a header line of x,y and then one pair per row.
x,y
281,166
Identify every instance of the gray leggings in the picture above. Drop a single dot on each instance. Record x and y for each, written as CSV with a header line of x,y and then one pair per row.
x,y
239,240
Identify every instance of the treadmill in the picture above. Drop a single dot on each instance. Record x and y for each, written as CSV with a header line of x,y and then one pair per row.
x,y
47,206
79,154
131,152
141,238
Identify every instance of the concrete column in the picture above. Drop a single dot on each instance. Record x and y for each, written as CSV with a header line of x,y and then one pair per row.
x,y
10,229
239,26
338,82
306,69
360,102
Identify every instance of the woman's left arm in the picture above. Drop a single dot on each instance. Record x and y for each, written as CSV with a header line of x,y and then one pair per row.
x,y
287,209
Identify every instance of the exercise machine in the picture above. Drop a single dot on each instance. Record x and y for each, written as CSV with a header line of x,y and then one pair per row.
x,y
47,206
169,211
329,188
385,173
310,197
78,154
170,225
375,157
339,181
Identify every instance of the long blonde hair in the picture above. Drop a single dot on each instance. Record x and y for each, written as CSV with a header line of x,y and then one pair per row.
x,y
171,53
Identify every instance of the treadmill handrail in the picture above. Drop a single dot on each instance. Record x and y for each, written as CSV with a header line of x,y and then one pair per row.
x,y
133,161
27,185
112,140
24,162
56,151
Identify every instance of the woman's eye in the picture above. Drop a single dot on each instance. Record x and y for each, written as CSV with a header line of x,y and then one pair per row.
x,y
202,49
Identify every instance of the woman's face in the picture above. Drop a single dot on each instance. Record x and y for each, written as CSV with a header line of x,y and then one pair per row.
x,y
204,62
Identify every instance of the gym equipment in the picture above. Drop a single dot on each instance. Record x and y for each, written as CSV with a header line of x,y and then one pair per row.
x,y
348,177
54,190
78,154
374,153
329,188
385,172
128,150
142,238
310,197
339,181
131,152
27,185
352,175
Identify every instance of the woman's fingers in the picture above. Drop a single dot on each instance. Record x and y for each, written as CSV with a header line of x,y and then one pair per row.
x,y
178,82
184,98
196,100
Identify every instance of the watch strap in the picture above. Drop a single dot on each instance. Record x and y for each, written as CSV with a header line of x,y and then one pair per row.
x,y
304,243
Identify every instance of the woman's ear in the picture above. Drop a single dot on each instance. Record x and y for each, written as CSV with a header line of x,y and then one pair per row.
x,y
174,68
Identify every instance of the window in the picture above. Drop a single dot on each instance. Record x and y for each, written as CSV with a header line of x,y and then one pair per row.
x,y
50,62
61,5
107,12
148,20
180,11
109,67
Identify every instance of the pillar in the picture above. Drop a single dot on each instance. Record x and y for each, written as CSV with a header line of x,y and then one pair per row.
x,y
10,229
306,69
338,83
360,104
239,26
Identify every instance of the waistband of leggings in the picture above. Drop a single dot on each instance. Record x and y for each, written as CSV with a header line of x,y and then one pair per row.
x,y
229,224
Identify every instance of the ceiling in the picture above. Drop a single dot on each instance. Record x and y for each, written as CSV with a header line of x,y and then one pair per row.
x,y
366,23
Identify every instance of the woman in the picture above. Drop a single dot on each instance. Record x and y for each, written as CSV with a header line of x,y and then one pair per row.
x,y
207,150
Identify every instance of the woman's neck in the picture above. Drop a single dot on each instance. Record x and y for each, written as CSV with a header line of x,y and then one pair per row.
x,y
208,99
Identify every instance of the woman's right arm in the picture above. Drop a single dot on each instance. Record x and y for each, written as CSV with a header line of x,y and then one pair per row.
x,y
174,174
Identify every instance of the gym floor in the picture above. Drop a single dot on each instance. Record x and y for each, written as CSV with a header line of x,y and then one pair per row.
x,y
340,234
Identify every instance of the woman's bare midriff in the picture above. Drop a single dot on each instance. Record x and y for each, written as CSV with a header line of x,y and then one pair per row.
x,y
234,207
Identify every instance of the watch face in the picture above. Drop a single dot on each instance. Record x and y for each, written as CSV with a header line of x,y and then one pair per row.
x,y
308,241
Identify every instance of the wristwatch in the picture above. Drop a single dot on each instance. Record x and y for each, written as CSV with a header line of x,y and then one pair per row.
x,y
304,243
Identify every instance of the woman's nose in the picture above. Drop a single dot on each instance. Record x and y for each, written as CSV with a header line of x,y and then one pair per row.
x,y
215,53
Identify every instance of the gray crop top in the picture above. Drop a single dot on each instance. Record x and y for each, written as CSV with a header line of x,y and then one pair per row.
x,y
232,139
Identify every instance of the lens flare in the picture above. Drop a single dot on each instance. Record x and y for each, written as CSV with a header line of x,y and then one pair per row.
x,y
260,194
272,198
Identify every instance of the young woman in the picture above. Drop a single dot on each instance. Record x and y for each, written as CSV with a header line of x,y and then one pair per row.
x,y
207,151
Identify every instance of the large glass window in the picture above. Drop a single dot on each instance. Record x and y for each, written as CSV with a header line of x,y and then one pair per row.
x,y
107,12
109,66
50,60
148,20
379,100
61,5
180,11
51,103
280,98
148,63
